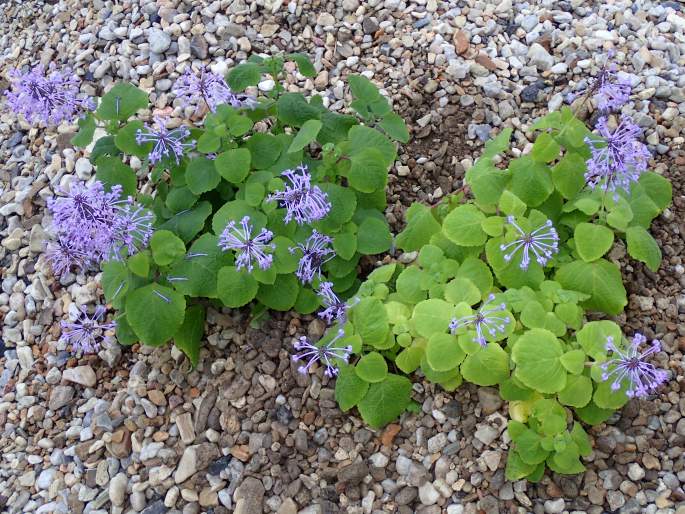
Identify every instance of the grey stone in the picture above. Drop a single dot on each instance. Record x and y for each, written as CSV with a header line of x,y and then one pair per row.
x,y
60,396
249,497
353,473
159,41
555,506
539,57
117,489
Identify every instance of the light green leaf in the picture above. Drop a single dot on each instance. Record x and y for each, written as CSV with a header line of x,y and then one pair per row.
x,y
578,391
421,225
462,290
235,288
463,227
155,313
601,279
371,321
372,367
486,367
84,136
569,175
306,135
189,337
593,337
443,352
139,264
432,316
166,247
409,359
592,241
385,400
643,247
537,354
349,388
511,204
530,181
574,361
545,149
394,126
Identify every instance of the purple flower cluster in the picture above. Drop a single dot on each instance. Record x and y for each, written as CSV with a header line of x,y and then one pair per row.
x,y
487,318
249,248
335,308
167,143
52,97
610,92
93,225
328,354
86,333
210,88
303,202
542,242
316,251
630,364
618,158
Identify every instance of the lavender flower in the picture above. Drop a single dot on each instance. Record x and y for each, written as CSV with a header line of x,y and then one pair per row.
x,y
630,364
336,309
326,354
610,92
316,252
618,158
248,248
542,242
87,332
211,88
488,318
303,202
64,255
52,98
131,228
167,143
92,225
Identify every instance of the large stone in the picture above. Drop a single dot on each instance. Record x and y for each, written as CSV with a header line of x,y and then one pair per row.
x,y
540,57
117,489
353,473
249,497
159,41
60,396
82,375
184,422
194,459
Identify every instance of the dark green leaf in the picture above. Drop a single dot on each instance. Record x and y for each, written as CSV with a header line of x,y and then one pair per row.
x,y
111,171
189,337
155,313
385,400
121,102
201,175
84,136
235,288
243,76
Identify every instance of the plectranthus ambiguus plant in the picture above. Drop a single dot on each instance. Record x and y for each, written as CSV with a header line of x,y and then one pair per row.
x,y
609,91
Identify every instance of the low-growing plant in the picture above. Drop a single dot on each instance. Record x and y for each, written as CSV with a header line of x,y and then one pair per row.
x,y
500,288
269,202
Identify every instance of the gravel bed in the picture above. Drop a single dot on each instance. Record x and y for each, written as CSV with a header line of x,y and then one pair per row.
x,y
136,430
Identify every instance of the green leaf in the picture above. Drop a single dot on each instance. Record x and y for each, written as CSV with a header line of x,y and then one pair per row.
x,y
189,337
551,415
432,316
443,352
345,245
574,361
201,175
545,149
235,210
281,295
197,273
569,175
658,189
265,150
477,272
581,439
373,237
421,225
368,170
592,241
566,462
303,64
385,400
124,333
372,367
139,264
236,288
371,321
510,390
166,247
349,388
335,127
186,224
527,444
643,247
530,181
121,102
103,146
180,199
362,88
208,142
516,468
383,274
462,290
243,76
409,359
115,282
294,110
84,136
593,415
307,301
306,135
394,126
111,171
534,315
125,140
511,204
343,205
537,354
593,337
410,286
578,391
462,226
362,138
486,367
601,279
155,313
